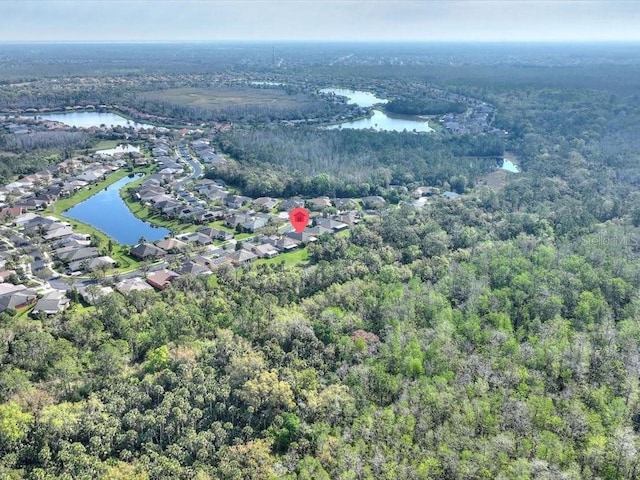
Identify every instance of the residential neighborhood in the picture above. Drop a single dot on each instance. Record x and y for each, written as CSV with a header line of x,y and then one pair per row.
x,y
222,228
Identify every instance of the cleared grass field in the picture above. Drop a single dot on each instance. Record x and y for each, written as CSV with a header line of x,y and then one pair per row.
x,y
221,97
290,259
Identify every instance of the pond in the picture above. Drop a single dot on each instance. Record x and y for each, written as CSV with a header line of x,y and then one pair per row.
x,y
509,166
107,212
92,119
125,148
379,120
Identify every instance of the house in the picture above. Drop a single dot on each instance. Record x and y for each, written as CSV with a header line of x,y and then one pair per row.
x,y
319,203
52,302
203,216
220,262
30,221
374,201
236,201
283,244
265,203
290,204
16,296
143,251
237,219
214,194
63,231
12,212
264,250
347,218
212,159
242,257
193,268
426,192
318,230
161,279
6,274
215,233
132,284
72,254
93,293
91,264
255,224
331,224
195,237
304,237
77,254
171,245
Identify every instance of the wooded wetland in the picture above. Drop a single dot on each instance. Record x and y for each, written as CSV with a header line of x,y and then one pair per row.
x,y
495,335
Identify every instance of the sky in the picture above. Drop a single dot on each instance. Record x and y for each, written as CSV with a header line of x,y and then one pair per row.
x,y
318,20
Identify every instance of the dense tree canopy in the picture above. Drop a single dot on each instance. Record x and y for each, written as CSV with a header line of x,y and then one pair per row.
x,y
492,336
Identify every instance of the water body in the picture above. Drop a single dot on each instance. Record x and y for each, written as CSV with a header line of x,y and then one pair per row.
x,y
92,119
379,121
356,97
271,84
107,212
126,148
509,166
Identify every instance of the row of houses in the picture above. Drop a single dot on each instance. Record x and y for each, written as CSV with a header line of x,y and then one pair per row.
x,y
69,248
19,296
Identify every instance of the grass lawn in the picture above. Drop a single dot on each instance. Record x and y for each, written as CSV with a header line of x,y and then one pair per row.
x,y
221,97
65,204
290,259
146,214
220,225
436,125
106,144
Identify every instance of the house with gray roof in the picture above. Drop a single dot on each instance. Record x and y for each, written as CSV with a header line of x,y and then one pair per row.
x,y
143,251
242,257
132,284
16,296
52,302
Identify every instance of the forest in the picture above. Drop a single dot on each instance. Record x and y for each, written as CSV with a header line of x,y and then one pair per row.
x,y
283,162
493,337
420,106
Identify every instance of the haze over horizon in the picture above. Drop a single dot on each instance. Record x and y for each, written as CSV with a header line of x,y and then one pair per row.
x,y
309,20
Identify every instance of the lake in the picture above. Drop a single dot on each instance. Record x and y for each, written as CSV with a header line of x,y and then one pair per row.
x,y
379,121
124,148
107,212
92,119
356,97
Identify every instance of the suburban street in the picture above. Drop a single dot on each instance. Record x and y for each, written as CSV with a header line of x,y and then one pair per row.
x,y
197,169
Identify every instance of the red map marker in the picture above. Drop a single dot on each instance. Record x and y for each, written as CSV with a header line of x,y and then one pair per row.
x,y
299,218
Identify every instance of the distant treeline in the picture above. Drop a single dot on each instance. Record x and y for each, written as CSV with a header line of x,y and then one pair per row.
x,y
310,161
415,106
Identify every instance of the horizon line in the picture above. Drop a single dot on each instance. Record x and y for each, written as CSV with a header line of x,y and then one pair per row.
x,y
306,41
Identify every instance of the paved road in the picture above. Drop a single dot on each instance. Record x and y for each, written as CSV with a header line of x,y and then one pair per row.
x,y
197,169
68,282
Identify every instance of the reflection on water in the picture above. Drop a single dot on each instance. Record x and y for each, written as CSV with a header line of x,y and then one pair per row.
x,y
92,119
379,121
107,212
